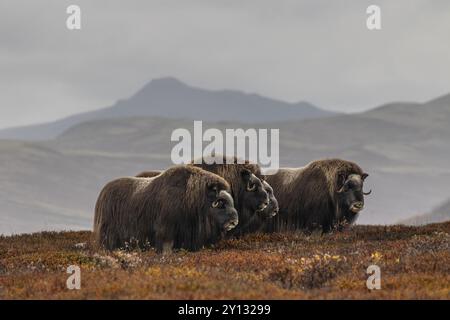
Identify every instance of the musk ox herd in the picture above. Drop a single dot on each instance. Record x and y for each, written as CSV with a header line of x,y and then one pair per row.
x,y
196,205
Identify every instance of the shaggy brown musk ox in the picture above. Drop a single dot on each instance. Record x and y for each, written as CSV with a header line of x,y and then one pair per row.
x,y
257,222
184,207
247,189
260,222
324,194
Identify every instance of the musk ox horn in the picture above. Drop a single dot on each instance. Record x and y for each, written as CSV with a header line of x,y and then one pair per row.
x,y
367,193
344,188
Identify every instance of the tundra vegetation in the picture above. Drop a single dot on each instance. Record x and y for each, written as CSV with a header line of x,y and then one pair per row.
x,y
414,263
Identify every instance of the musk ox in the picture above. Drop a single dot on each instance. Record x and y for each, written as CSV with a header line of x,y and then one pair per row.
x,y
272,209
325,194
260,222
247,189
183,207
257,222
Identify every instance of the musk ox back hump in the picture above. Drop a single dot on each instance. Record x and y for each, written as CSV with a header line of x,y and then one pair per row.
x,y
149,174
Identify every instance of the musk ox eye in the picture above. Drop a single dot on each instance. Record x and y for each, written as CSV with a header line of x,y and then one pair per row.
x,y
251,186
217,204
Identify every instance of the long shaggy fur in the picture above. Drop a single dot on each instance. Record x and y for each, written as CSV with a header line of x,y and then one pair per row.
x,y
308,197
231,170
168,208
259,222
148,174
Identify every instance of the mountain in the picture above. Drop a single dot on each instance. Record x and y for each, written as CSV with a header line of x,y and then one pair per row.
x,y
440,214
43,188
54,184
434,112
406,160
171,98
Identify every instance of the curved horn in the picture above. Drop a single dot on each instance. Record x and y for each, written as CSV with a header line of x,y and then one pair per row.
x,y
367,193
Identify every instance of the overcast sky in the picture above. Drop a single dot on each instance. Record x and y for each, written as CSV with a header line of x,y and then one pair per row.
x,y
318,51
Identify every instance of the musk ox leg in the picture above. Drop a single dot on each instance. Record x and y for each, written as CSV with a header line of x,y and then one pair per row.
x,y
341,226
315,232
167,247
164,243
326,228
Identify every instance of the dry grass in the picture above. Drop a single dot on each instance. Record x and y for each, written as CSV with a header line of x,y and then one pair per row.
x,y
414,261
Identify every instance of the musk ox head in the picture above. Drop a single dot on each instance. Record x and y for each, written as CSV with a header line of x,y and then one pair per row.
x,y
200,206
255,197
245,181
350,192
272,209
220,205
221,208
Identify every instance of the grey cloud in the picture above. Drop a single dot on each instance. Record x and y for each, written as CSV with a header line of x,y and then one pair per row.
x,y
318,51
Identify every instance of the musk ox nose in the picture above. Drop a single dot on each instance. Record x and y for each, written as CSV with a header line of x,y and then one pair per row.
x,y
357,206
263,205
275,212
233,222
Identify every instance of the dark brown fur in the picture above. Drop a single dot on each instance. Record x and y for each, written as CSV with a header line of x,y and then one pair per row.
x,y
260,221
308,197
169,208
149,174
249,221
231,170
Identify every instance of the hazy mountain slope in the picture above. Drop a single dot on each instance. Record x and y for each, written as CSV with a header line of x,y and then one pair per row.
x,y
54,184
168,97
440,214
434,114
41,188
405,174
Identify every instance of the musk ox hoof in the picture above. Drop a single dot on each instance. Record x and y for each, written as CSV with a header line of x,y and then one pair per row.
x,y
167,248
81,245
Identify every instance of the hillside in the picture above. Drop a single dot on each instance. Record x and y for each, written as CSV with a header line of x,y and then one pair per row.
x,y
53,185
171,98
414,264
406,160
440,214
435,111
43,188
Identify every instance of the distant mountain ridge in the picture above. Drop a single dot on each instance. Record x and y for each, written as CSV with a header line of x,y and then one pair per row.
x,y
171,98
440,214
402,146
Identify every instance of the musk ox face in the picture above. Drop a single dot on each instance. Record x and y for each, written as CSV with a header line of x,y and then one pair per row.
x,y
272,209
221,208
255,197
350,192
